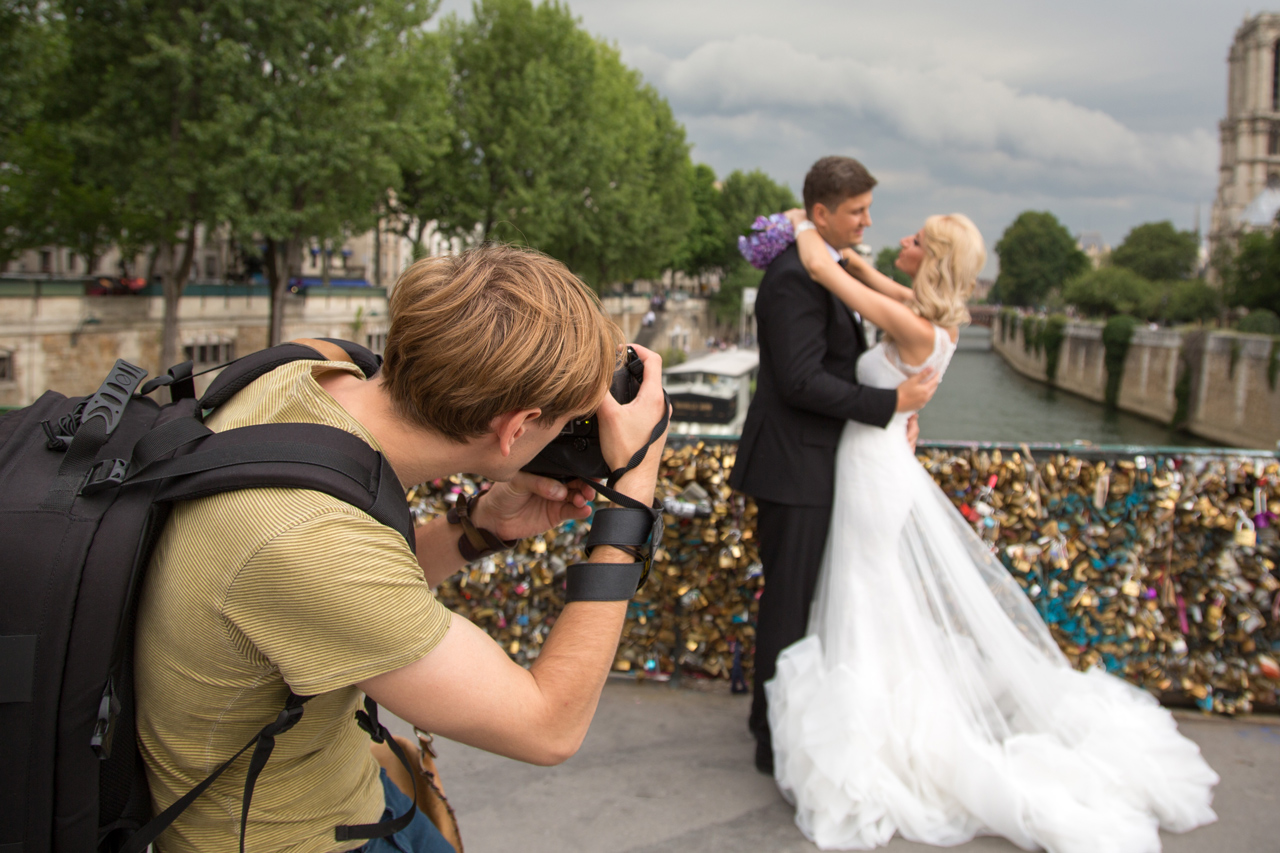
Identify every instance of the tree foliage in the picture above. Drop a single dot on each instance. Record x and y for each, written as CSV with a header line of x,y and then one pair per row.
x,y
1158,252
707,245
743,197
321,130
1250,271
1118,290
1111,290
1190,301
1036,254
558,145
1260,321
746,195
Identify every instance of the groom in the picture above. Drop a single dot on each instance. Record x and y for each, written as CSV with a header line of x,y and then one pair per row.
x,y
806,390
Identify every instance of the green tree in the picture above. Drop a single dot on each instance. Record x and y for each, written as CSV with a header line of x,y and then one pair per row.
x,y
705,246
743,197
1036,254
415,90
29,53
1111,290
558,145
153,103
1251,271
885,260
321,139
1158,252
1191,300
726,303
1260,321
746,195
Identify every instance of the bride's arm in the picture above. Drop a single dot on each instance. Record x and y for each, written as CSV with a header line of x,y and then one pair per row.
x,y
910,331
860,269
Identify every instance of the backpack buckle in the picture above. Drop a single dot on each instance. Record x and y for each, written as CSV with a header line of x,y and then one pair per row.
x,y
107,474
104,728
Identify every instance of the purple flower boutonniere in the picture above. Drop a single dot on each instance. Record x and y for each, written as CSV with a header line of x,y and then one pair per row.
x,y
773,235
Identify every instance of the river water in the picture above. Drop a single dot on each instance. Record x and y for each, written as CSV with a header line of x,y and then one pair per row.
x,y
983,399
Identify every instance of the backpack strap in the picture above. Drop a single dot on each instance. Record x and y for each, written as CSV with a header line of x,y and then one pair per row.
x,y
265,741
303,456
368,720
242,371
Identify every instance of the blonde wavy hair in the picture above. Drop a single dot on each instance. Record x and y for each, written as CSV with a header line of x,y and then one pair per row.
x,y
954,254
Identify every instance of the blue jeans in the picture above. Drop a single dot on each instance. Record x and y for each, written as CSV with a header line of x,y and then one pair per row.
x,y
420,836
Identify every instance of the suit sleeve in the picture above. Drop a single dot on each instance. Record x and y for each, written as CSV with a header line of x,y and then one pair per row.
x,y
792,318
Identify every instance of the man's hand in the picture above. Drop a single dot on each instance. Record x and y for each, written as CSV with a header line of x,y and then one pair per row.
x,y
528,505
917,390
626,429
913,431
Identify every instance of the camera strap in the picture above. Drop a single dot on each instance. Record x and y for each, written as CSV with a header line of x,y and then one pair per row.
x,y
628,527
639,455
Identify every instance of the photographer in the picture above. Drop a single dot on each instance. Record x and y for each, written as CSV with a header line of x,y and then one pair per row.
x,y
256,593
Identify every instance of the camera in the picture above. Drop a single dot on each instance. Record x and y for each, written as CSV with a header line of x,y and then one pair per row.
x,y
575,453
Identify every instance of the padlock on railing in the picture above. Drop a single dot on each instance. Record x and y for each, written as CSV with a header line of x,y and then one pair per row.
x,y
1246,535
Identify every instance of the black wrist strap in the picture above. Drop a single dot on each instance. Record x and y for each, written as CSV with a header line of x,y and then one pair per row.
x,y
602,581
475,542
629,526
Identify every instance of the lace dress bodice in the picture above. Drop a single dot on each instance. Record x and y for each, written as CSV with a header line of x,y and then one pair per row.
x,y
882,366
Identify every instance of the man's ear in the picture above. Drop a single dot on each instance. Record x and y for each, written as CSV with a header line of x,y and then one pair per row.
x,y
510,427
819,215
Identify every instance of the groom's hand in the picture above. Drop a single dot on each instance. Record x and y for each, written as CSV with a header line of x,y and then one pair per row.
x,y
917,390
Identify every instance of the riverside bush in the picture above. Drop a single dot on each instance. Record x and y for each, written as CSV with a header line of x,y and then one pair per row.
x,y
1260,321
1051,338
1116,337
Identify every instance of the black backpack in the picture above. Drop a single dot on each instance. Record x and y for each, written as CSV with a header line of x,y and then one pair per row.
x,y
87,486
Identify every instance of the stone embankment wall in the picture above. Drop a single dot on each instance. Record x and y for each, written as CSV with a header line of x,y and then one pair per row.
x,y
1229,395
69,342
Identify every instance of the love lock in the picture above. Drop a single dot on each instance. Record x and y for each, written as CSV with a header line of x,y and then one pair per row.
x,y
1246,535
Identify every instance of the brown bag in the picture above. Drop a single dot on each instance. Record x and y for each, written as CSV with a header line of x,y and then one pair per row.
x,y
425,781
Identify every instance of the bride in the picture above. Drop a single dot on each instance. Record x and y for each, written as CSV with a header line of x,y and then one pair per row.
x,y
928,697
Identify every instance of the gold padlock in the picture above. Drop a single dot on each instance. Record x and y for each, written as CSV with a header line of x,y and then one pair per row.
x,y
1246,535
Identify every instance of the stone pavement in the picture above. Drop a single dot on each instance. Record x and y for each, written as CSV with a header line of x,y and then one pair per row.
x,y
665,770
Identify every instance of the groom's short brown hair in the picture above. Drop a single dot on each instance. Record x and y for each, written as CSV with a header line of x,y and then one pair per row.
x,y
831,180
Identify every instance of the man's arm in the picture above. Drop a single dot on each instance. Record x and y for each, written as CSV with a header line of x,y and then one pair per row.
x,y
468,690
792,317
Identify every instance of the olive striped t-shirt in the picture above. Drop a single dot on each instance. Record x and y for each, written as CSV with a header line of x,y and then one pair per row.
x,y
254,590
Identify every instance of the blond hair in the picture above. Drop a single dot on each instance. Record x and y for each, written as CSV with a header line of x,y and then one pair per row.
x,y
494,330
954,254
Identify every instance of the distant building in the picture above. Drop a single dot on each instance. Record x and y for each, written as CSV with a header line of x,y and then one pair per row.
x,y
982,289
1090,242
1249,172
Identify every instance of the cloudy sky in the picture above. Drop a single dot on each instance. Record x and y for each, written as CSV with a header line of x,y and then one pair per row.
x,y
1104,113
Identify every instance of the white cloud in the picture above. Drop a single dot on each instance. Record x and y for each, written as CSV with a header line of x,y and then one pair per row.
x,y
944,109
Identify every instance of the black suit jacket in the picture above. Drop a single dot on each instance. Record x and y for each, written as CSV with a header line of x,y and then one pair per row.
x,y
806,389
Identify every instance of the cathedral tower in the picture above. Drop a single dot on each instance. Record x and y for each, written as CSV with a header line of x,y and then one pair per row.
x,y
1249,173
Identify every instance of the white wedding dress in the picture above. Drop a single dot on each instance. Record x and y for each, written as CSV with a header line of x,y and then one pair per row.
x,y
929,698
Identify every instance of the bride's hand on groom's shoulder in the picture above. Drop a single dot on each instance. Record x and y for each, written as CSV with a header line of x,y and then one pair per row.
x,y
795,216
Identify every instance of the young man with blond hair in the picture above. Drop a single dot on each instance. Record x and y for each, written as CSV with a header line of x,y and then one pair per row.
x,y
256,593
